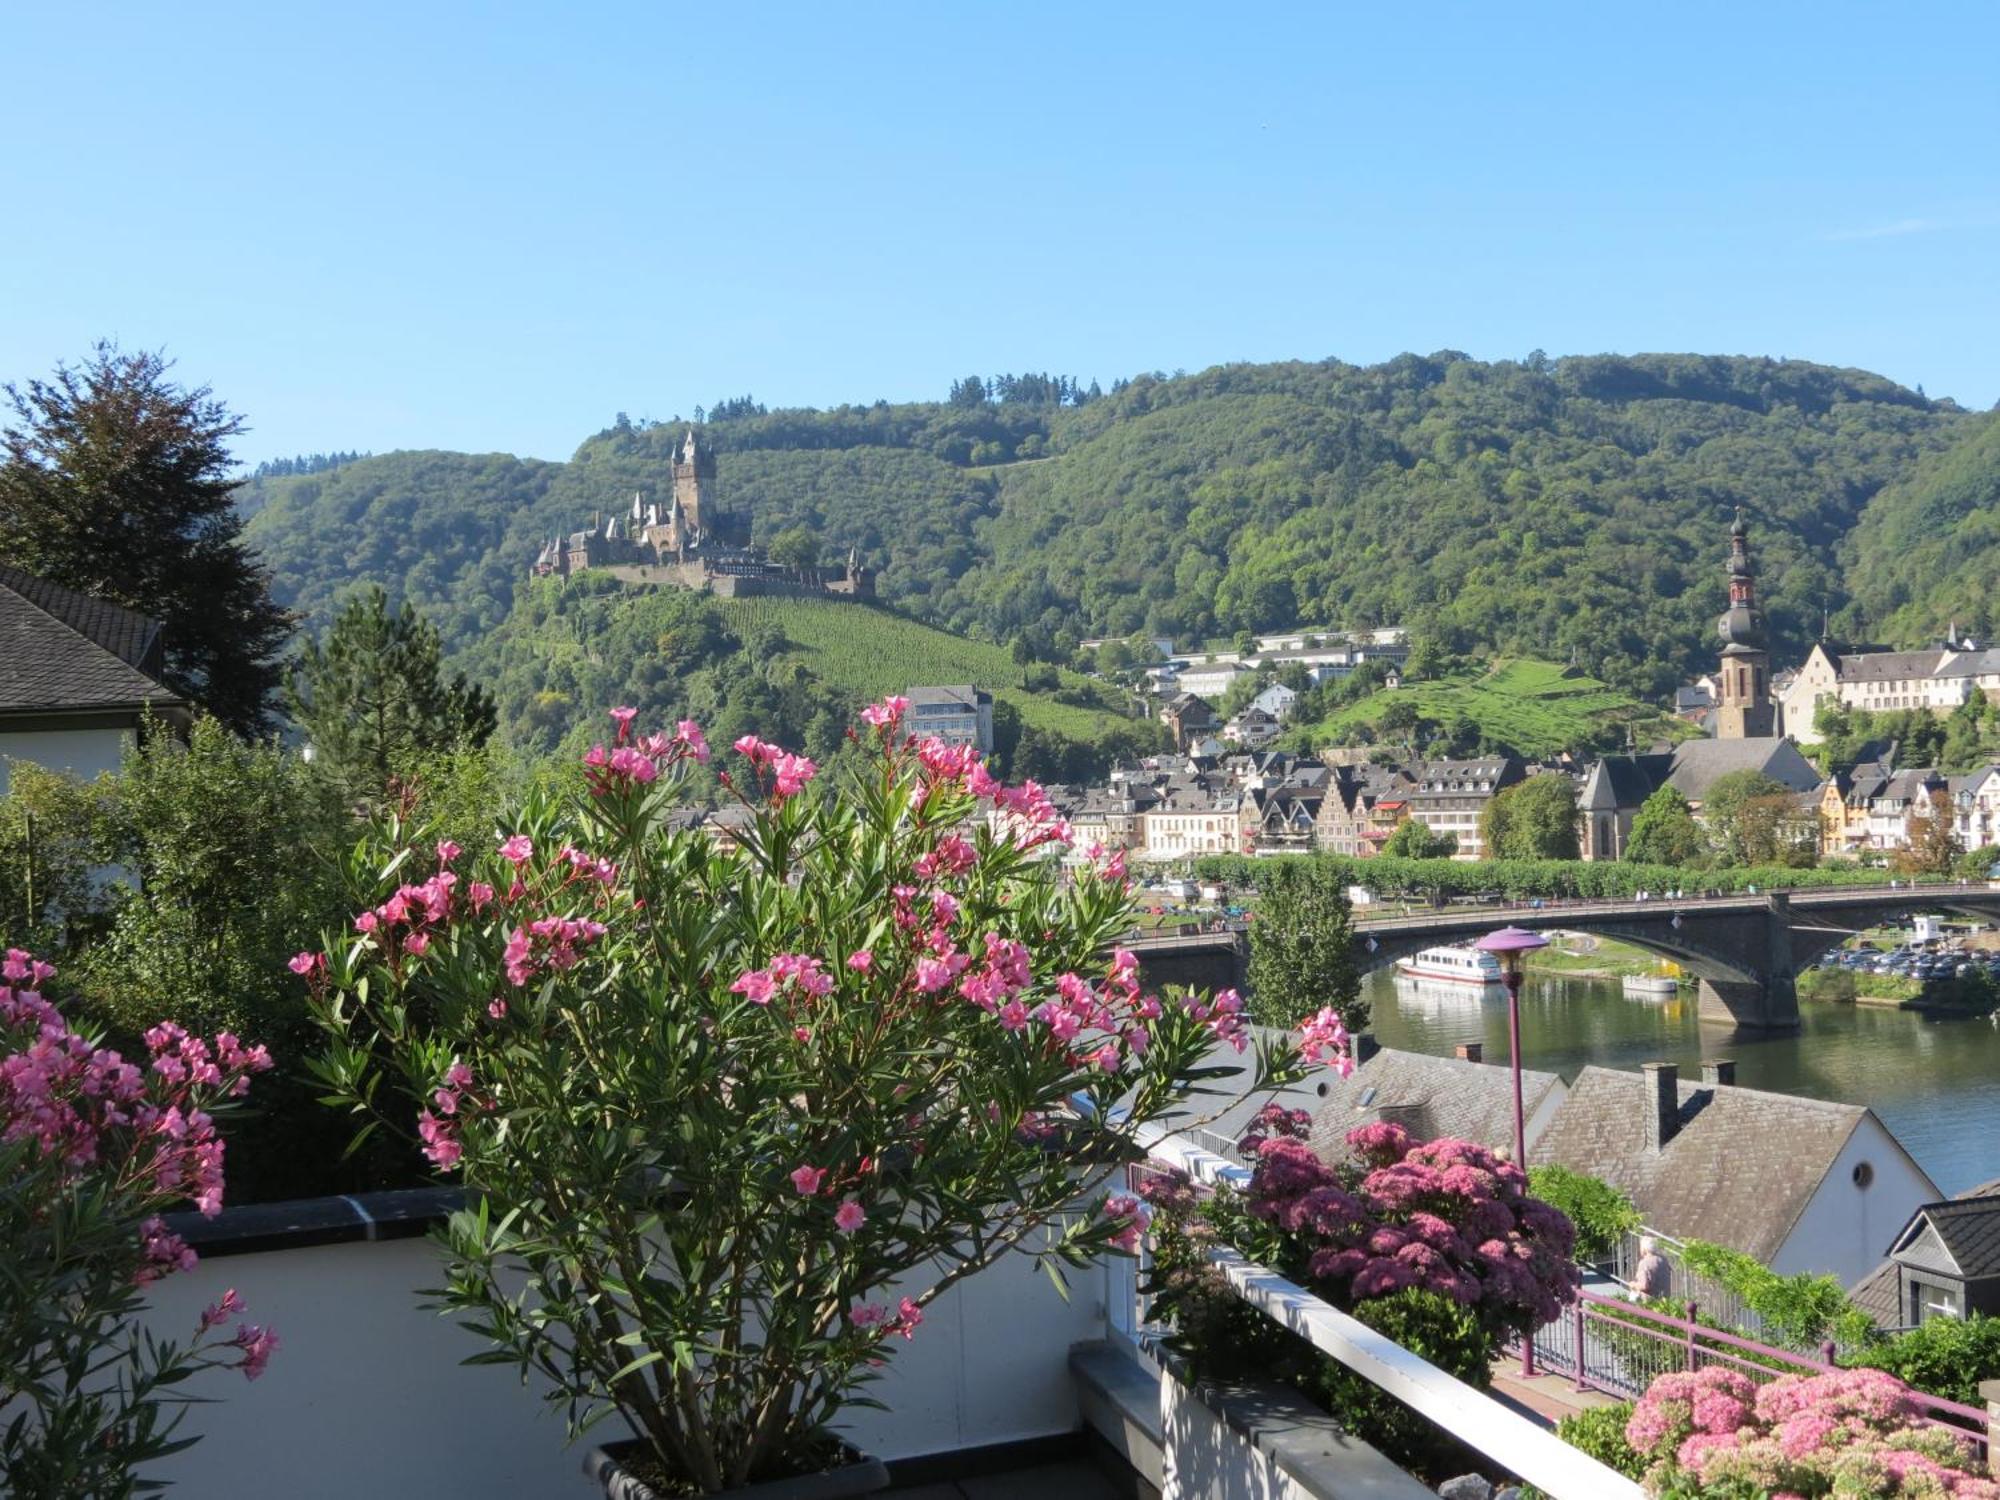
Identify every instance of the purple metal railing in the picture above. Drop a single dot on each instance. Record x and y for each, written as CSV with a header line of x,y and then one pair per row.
x,y
1620,1348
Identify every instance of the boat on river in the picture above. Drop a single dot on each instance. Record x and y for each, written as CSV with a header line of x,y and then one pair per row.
x,y
1457,965
1651,986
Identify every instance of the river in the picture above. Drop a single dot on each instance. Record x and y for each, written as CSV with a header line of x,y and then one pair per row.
x,y
1935,1084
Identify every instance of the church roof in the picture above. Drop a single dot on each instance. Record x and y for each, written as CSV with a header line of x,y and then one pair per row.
x,y
1699,764
63,651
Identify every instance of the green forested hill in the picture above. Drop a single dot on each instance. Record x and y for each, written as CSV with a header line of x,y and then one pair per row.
x,y
1568,509
569,653
1926,553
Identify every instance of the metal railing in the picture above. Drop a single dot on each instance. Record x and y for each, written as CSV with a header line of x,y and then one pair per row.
x,y
1515,1442
1619,1348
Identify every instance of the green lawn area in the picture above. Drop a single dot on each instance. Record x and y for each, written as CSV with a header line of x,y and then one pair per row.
x,y
1537,707
871,652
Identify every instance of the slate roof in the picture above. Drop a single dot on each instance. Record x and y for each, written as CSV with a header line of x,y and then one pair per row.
x,y
1624,780
1429,1097
1890,666
1699,764
1739,1170
961,695
61,651
1971,664
1974,1220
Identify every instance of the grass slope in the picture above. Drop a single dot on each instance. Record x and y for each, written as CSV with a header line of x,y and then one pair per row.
x,y
1536,707
871,651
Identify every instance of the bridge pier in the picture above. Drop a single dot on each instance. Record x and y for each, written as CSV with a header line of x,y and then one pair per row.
x,y
1769,1004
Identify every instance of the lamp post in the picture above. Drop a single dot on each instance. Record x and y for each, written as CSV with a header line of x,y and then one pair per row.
x,y
1509,943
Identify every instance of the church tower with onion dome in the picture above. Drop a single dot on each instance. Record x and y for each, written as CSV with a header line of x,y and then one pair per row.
x,y
1743,708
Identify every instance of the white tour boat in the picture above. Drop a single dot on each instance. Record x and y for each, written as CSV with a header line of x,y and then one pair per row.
x,y
1467,966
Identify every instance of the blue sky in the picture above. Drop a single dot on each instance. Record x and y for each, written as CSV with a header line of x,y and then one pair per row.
x,y
427,225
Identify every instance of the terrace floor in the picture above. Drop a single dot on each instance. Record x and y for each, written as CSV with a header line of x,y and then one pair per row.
x,y
1068,1479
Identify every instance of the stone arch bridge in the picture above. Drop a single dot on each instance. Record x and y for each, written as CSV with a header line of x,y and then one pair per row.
x,y
1745,950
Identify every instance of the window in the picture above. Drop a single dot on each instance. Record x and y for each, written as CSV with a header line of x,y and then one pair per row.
x,y
1930,1299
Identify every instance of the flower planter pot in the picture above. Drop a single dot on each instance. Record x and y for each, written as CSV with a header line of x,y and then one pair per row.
x,y
861,1476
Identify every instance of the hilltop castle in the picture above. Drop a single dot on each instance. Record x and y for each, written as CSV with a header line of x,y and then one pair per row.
x,y
694,543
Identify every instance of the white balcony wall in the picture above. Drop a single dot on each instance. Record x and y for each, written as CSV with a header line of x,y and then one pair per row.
x,y
367,1395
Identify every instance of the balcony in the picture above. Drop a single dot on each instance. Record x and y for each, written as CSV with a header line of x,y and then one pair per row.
x,y
1008,1390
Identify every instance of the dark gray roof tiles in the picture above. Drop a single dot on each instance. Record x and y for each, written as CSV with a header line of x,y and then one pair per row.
x,y
1429,1097
1890,666
61,651
1739,1170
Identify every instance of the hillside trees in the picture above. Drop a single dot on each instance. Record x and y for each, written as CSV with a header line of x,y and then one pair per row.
x,y
1664,832
115,481
1754,820
1534,819
373,698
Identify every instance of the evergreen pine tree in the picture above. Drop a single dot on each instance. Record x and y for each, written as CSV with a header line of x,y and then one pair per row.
x,y
114,481
373,698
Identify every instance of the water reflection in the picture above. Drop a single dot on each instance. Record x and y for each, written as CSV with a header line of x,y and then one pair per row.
x,y
1936,1084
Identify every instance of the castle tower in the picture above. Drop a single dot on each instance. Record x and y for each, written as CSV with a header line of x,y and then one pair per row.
x,y
1743,708
693,472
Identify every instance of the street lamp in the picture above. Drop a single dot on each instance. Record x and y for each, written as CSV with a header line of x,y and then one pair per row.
x,y
1509,943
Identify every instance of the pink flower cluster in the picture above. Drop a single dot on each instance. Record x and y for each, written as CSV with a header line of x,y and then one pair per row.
x,y
800,972
788,772
1129,1216
439,1132
406,922
903,1319
887,714
1323,1039
638,762
102,1120
547,943
1446,1216
1846,1432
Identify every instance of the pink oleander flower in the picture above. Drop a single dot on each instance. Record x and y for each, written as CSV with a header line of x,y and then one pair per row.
x,y
307,963
220,1311
756,751
623,718
886,714
806,1180
440,1140
868,1315
447,851
861,960
849,1217
688,734
909,1316
258,1345
791,773
517,850
1323,1039
755,985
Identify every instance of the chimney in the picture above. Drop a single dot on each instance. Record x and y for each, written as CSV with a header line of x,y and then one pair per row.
x,y
1662,1103
1469,1051
1365,1047
1718,1070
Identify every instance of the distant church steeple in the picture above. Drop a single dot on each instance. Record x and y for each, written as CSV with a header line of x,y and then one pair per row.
x,y
1743,707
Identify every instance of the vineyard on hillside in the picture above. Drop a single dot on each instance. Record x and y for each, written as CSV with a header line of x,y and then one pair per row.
x,y
1533,707
873,651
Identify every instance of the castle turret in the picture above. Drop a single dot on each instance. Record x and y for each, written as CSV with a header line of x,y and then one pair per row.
x,y
1743,707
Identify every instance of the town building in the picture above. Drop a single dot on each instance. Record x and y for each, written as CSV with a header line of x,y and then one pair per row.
x,y
1451,794
1799,1185
1253,729
78,678
1188,718
1944,1263
1875,679
1616,786
960,715
1975,800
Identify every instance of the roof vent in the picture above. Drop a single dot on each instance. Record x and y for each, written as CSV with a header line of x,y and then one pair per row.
x,y
1719,1070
